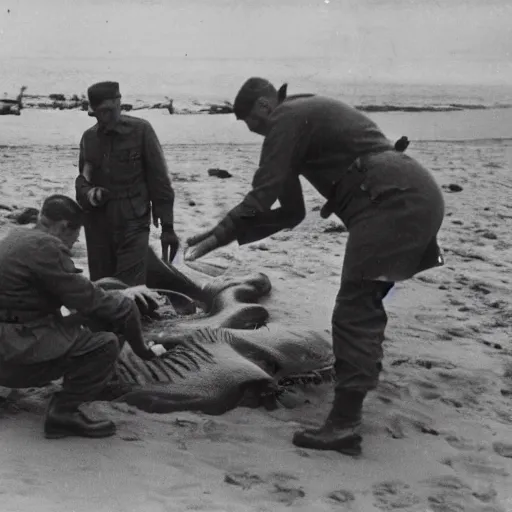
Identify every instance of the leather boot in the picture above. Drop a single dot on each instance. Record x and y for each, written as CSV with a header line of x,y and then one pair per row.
x,y
339,433
63,422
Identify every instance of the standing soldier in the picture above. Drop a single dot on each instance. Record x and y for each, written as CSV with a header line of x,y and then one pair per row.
x,y
391,205
38,344
122,176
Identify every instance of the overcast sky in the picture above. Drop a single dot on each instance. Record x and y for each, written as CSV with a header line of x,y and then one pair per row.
x,y
404,40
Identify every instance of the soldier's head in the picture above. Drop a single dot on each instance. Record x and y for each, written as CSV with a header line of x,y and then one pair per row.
x,y
255,102
61,217
105,103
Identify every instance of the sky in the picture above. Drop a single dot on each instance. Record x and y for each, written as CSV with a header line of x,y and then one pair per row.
x,y
403,41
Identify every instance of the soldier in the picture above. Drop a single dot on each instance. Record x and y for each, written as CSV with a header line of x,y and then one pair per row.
x,y
122,175
38,344
391,205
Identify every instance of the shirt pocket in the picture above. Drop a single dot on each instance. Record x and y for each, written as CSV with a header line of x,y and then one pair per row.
x,y
128,155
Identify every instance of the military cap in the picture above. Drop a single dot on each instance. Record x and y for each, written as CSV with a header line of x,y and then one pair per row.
x,y
101,91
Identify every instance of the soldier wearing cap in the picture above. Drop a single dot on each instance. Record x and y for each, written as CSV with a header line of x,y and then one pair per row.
x,y
122,176
391,205
38,344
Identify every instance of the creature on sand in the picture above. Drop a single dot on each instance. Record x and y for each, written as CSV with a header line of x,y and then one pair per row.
x,y
234,355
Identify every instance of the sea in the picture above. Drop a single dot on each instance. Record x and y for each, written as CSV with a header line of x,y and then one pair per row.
x,y
420,112
427,70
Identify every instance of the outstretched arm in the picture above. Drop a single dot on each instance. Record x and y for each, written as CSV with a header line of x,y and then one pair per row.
x,y
276,178
264,224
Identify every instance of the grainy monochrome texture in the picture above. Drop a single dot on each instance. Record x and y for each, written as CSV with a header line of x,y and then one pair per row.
x,y
211,424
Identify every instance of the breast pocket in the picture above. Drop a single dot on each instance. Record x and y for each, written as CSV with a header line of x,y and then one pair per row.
x,y
131,155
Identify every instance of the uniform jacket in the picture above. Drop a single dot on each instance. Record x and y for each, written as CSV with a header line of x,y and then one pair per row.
x,y
38,277
313,136
391,205
129,162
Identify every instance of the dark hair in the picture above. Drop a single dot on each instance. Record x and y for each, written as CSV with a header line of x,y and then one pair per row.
x,y
249,93
59,207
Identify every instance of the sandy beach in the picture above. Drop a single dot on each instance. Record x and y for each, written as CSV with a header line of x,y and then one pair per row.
x,y
437,432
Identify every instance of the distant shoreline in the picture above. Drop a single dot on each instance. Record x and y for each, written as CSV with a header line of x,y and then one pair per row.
x,y
58,101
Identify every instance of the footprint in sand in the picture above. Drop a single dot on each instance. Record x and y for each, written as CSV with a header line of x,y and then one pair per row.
x,y
280,487
281,477
394,494
507,372
460,443
449,482
476,465
389,392
342,496
503,449
244,480
463,389
428,364
427,390
487,495
286,494
451,494
459,332
503,415
400,420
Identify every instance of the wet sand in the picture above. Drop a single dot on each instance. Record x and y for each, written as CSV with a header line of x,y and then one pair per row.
x,y
437,431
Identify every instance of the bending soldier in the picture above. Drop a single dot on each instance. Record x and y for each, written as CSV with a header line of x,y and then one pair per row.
x,y
390,204
122,175
38,344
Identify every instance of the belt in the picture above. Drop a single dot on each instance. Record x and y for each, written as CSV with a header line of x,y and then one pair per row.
x,y
126,194
353,179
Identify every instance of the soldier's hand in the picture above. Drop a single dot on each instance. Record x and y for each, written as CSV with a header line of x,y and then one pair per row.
x,y
149,299
200,248
97,196
170,244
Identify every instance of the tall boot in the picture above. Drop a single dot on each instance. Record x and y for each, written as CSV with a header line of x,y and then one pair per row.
x,y
62,421
339,433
